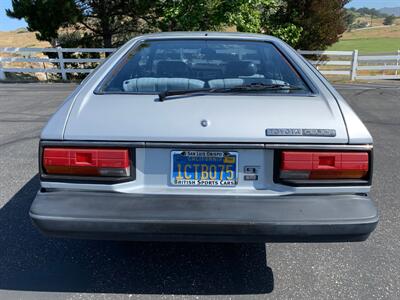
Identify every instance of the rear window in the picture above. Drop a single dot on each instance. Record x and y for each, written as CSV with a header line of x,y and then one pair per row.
x,y
160,65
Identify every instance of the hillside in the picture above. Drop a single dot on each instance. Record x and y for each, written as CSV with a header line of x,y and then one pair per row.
x,y
20,38
391,11
375,39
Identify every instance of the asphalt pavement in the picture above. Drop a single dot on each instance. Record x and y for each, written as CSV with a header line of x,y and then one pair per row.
x,y
35,267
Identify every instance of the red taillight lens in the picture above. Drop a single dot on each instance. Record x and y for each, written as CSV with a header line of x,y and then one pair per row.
x,y
86,161
312,165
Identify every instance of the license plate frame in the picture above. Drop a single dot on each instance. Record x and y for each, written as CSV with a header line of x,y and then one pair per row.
x,y
205,157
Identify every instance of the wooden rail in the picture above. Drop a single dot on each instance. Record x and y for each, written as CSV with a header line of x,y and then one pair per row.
x,y
355,64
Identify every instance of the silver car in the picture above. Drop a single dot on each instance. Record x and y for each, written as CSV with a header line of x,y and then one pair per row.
x,y
206,137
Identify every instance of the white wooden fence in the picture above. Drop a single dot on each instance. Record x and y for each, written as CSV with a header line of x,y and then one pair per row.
x,y
333,63
355,66
59,64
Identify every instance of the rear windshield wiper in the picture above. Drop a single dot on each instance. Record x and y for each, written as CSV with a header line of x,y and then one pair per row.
x,y
245,87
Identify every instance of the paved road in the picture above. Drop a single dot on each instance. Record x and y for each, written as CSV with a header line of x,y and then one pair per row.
x,y
35,267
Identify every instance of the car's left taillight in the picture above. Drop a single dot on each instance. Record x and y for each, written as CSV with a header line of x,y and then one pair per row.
x,y
85,162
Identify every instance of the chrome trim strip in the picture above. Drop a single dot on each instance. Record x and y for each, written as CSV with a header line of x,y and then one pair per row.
x,y
200,145
92,143
203,145
319,146
257,146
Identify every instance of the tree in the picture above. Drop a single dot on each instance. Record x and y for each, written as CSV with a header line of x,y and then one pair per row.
x,y
309,24
114,21
349,18
371,12
45,16
322,22
389,20
203,15
175,15
102,22
247,16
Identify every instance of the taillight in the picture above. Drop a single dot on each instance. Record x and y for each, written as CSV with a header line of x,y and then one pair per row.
x,y
327,166
108,162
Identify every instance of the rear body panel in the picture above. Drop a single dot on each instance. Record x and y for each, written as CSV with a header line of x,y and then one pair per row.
x,y
153,171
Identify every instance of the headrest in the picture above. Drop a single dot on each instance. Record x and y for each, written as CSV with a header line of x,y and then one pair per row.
x,y
240,68
170,68
152,84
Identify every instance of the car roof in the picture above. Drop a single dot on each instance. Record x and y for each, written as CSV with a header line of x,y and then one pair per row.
x,y
207,35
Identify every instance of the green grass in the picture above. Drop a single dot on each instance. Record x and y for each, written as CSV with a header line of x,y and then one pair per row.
x,y
370,45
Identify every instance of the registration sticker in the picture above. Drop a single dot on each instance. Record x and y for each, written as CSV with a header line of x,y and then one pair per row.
x,y
204,168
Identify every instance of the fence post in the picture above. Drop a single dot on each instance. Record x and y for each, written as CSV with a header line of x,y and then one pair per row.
x,y
61,62
397,62
354,65
2,74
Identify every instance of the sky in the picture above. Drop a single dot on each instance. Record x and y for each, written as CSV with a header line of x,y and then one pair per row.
x,y
373,3
7,23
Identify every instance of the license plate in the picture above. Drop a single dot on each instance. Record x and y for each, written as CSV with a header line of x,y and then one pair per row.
x,y
204,168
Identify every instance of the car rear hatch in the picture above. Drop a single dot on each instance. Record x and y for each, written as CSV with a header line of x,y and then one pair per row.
x,y
215,118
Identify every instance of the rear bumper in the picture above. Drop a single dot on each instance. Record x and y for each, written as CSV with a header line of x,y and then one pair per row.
x,y
317,218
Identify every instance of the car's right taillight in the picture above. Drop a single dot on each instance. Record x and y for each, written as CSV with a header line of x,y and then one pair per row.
x,y
305,167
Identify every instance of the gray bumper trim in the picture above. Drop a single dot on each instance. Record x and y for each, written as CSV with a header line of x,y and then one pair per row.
x,y
309,218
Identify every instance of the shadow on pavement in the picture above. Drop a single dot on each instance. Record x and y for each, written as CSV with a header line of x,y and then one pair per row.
x,y
31,262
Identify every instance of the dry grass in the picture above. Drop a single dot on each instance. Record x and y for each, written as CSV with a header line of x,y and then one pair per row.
x,y
19,38
22,39
383,32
